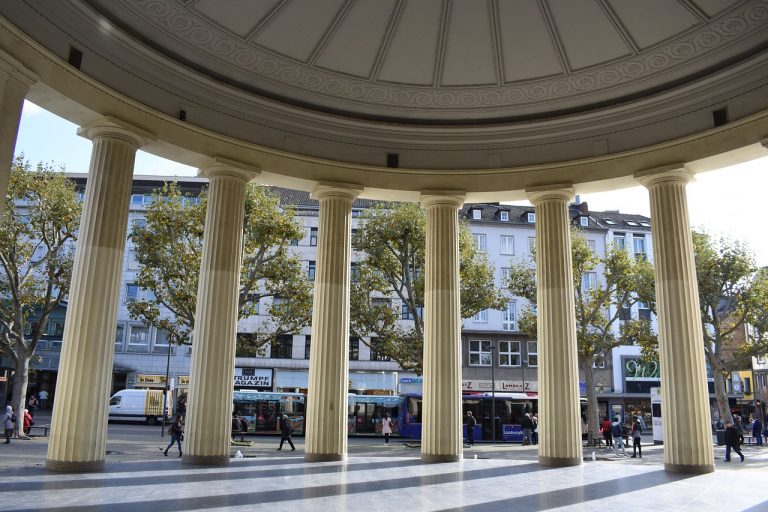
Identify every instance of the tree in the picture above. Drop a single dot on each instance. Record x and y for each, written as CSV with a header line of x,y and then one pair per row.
x,y
733,294
39,227
602,305
392,239
169,251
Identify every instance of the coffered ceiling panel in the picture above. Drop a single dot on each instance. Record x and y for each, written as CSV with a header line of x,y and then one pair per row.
x,y
470,46
652,21
413,48
298,29
713,7
526,42
238,16
587,34
358,38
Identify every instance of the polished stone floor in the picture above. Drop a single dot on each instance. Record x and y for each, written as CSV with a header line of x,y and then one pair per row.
x,y
371,483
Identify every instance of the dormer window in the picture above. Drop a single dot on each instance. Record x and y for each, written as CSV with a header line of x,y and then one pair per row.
x,y
645,224
504,216
631,223
610,222
476,214
531,217
583,221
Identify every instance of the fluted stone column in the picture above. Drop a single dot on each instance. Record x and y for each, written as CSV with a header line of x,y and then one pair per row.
x,y
441,435
326,424
79,423
15,79
208,426
559,407
685,397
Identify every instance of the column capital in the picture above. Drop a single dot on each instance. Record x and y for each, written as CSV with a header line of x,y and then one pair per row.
x,y
108,126
559,192
224,167
325,189
453,198
664,174
15,70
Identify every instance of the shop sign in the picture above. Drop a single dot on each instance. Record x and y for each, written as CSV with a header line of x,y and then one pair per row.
x,y
634,369
411,380
184,380
149,380
253,377
501,385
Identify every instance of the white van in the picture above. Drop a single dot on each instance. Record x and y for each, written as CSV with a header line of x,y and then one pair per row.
x,y
138,405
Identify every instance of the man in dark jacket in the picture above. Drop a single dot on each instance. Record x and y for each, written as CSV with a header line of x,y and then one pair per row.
x,y
527,425
471,422
731,441
757,431
285,430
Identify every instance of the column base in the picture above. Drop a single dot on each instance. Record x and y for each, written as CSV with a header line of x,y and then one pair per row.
x,y
205,460
560,462
324,457
689,469
441,457
66,466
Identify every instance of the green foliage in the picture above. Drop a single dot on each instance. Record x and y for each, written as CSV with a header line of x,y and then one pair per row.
x,y
39,226
733,292
625,281
391,240
169,251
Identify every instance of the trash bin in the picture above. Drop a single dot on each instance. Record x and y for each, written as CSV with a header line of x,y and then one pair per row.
x,y
720,436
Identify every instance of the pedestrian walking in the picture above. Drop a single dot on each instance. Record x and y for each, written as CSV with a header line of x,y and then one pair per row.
x,y
43,396
527,425
177,435
28,422
637,429
9,419
386,427
535,429
731,441
757,431
285,432
32,403
605,428
618,440
471,422
237,428
739,426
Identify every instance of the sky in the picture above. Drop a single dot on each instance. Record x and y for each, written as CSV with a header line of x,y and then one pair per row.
x,y
726,202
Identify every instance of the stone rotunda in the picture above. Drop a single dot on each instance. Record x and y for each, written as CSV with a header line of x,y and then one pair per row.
x,y
435,101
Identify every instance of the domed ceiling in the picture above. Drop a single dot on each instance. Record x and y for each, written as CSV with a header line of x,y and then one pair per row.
x,y
424,85
448,60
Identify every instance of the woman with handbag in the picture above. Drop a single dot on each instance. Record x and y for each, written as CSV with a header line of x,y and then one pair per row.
x,y
177,435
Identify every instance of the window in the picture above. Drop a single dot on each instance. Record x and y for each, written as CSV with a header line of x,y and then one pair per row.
x,y
505,276
645,224
610,222
477,214
480,353
620,240
509,317
481,316
311,271
507,244
294,242
533,354
589,281
133,262
598,361
531,244
138,223
531,217
583,221
282,347
119,336
55,327
354,348
161,345
307,346
638,245
313,236
131,291
138,341
631,223
591,245
480,242
504,216
406,314
375,354
643,311
625,313
509,353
